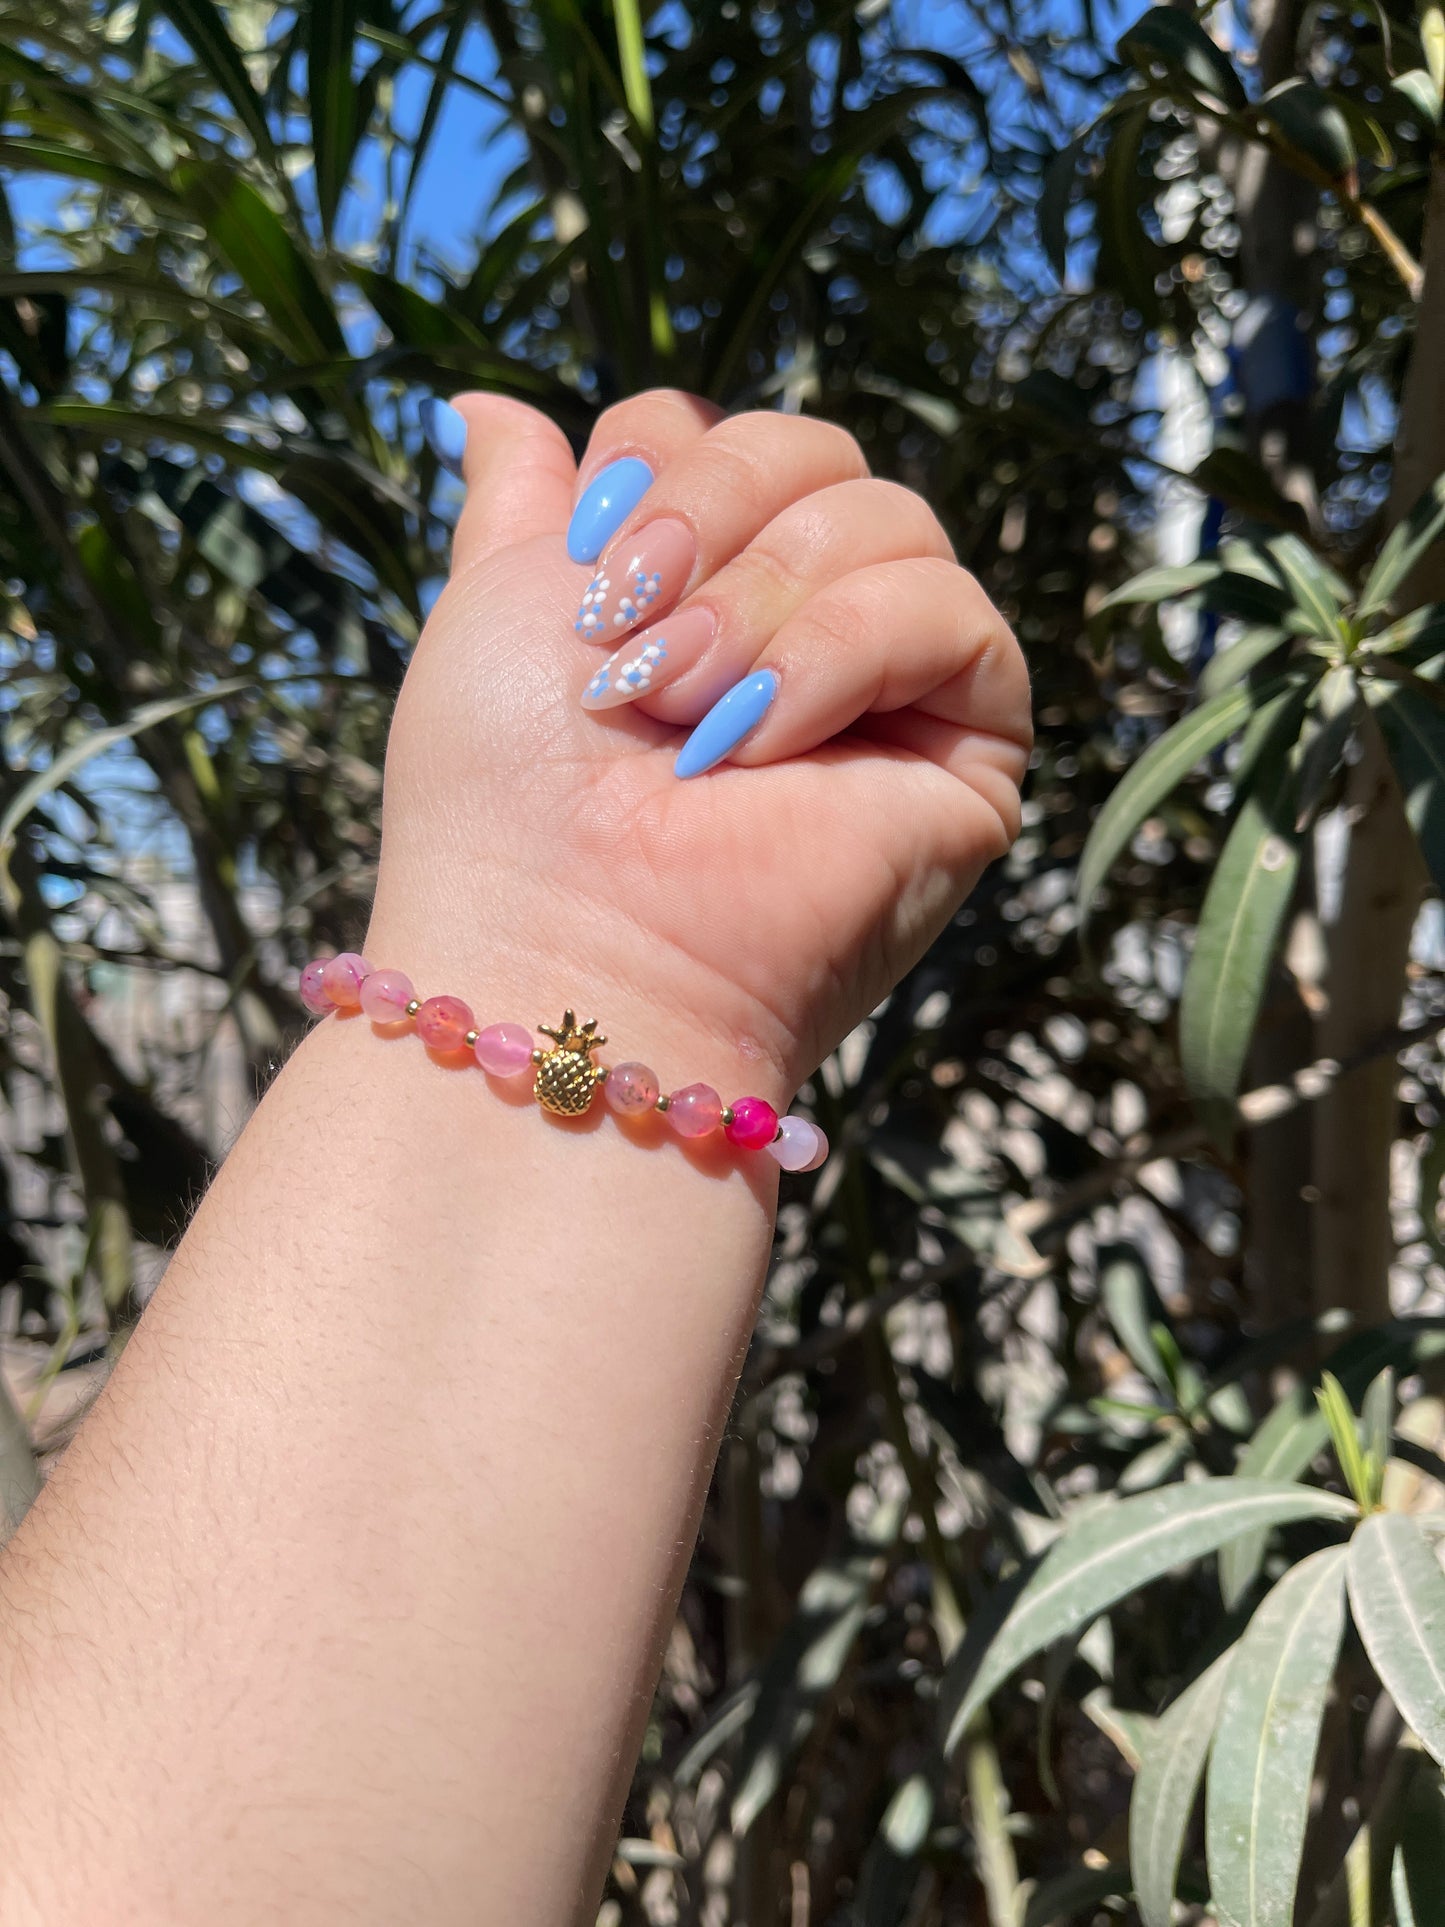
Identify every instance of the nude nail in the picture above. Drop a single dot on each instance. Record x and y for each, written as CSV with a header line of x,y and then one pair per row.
x,y
649,660
646,572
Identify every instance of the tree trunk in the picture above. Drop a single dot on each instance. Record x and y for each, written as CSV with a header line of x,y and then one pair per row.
x,y
1369,942
1277,211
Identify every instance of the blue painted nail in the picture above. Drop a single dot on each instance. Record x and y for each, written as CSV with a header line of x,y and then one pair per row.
x,y
726,723
604,505
445,430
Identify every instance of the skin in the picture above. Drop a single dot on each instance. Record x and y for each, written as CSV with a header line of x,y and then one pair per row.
x,y
347,1601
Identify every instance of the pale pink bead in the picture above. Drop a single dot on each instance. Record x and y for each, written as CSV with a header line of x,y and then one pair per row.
x,y
312,990
505,1050
694,1110
442,1023
385,996
631,1089
343,977
799,1145
754,1125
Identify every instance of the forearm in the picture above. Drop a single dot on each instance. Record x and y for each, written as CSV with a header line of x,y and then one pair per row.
x,y
377,1531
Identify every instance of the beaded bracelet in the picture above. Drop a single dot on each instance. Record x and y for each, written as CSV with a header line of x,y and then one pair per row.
x,y
567,1079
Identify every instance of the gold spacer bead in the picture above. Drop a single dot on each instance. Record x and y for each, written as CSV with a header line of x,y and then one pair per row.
x,y
537,1056
728,1114
471,1039
662,1102
413,1007
601,1072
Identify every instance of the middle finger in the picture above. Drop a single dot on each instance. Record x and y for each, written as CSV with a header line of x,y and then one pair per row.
x,y
704,508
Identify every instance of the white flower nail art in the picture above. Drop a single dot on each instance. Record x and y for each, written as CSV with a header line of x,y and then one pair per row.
x,y
590,617
627,679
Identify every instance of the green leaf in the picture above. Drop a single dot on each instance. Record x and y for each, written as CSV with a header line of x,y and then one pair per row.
x,y
1241,481
805,1664
1377,1428
1132,1307
1414,732
1334,715
334,97
1176,42
1415,638
56,157
1158,772
1294,1433
1160,585
1075,1895
1417,1879
1345,1437
1239,930
1397,1595
1129,260
1113,1550
1421,95
1405,546
1245,653
64,765
891,1866
1262,1763
1170,1769
1432,1176
1314,586
204,26
1310,122
257,244
1055,199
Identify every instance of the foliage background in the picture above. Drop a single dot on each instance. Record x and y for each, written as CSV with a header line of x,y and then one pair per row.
x,y
1106,307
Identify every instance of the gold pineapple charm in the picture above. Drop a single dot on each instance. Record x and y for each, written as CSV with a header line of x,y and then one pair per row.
x,y
567,1079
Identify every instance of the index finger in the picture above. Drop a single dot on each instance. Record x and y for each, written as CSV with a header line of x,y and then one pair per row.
x,y
631,444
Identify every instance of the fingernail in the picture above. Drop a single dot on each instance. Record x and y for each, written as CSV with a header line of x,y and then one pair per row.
x,y
652,567
648,660
605,504
726,723
446,432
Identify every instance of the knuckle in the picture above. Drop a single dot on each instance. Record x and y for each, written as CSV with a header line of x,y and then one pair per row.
x,y
839,617
628,418
768,574
906,506
767,435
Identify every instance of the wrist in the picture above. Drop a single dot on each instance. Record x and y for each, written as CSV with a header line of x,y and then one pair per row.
x,y
650,1002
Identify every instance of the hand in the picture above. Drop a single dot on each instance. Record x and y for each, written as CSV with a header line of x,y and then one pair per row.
x,y
736,924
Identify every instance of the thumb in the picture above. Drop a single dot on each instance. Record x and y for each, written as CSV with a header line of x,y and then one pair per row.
x,y
517,466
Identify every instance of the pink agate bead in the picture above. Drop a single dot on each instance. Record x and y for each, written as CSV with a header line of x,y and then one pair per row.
x,y
442,1023
312,990
385,995
504,1050
694,1110
631,1089
799,1146
754,1125
343,977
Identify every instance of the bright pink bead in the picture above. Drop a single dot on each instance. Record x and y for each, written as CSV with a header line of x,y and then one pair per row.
x,y
505,1050
754,1125
343,977
799,1146
694,1111
631,1089
312,990
442,1023
385,996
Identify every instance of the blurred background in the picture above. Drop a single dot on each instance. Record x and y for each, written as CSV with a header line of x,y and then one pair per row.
x,y
1126,1281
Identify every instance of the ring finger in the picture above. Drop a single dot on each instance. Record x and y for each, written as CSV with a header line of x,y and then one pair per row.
x,y
678,667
